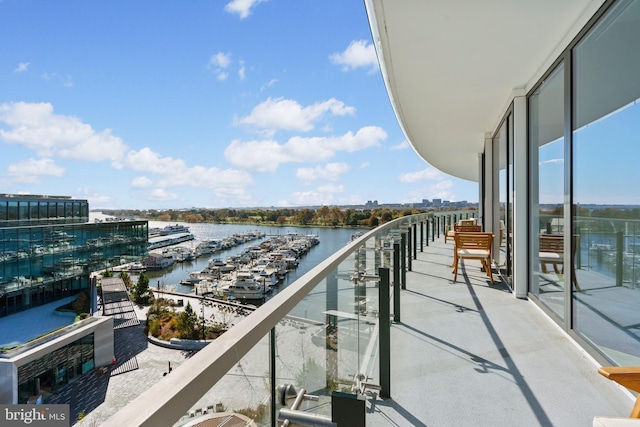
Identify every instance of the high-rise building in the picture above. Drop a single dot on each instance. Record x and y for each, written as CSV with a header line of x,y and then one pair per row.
x,y
48,250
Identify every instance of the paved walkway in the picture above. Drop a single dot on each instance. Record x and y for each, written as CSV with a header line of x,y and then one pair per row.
x,y
139,365
470,354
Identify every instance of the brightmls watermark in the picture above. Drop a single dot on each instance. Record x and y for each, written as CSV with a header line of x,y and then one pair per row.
x,y
35,415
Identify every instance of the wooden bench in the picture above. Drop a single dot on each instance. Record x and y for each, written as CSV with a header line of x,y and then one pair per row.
x,y
551,251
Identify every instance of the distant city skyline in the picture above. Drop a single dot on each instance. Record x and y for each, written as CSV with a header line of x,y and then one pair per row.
x,y
212,104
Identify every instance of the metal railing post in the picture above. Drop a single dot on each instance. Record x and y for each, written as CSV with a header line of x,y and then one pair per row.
x,y
396,282
409,239
272,368
396,268
385,334
422,234
427,232
619,257
415,241
403,259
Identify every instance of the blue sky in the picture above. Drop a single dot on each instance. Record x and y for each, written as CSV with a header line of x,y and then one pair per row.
x,y
214,104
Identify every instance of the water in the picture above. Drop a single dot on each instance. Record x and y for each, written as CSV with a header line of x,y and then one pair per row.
x,y
331,239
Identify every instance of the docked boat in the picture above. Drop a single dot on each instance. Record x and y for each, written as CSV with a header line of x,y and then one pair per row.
x,y
169,235
243,286
220,265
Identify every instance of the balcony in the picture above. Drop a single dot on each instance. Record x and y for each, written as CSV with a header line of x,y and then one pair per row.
x,y
465,353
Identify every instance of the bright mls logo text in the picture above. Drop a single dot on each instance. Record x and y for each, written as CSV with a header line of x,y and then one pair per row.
x,y
38,415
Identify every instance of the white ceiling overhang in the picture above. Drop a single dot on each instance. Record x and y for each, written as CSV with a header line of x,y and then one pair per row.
x,y
451,67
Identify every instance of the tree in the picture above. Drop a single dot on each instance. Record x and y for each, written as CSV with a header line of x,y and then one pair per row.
x,y
140,292
304,216
322,215
187,320
128,283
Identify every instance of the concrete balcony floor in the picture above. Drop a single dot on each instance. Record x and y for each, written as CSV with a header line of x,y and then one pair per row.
x,y
471,354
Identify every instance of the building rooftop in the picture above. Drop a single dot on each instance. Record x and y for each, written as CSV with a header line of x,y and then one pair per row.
x,y
23,326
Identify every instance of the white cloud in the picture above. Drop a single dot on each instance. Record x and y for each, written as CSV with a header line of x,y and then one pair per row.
x,y
310,198
331,189
427,174
176,173
22,67
36,127
287,114
359,53
267,155
329,172
402,146
30,170
241,7
49,135
141,182
146,160
220,60
66,81
268,84
95,199
219,64
365,165
162,195
551,161
241,71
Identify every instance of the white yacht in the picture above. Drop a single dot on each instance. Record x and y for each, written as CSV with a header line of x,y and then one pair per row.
x,y
243,286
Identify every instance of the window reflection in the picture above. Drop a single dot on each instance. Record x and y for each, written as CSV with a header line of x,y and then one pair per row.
x,y
606,146
546,137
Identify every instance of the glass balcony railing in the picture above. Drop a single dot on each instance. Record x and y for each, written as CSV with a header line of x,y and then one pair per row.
x,y
320,334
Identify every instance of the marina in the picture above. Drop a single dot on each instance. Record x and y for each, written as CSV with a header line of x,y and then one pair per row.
x,y
275,256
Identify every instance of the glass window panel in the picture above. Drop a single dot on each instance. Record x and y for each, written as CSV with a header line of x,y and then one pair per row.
x,y
546,139
606,218
3,213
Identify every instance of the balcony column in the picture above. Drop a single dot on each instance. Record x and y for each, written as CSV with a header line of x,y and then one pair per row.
x,y
521,217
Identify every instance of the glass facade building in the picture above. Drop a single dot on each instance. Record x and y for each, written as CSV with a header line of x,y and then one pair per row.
x,y
48,249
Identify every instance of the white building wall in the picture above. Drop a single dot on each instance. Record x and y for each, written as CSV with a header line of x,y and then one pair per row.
x,y
102,328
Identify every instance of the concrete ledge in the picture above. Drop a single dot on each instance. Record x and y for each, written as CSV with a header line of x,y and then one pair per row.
x,y
615,422
179,344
